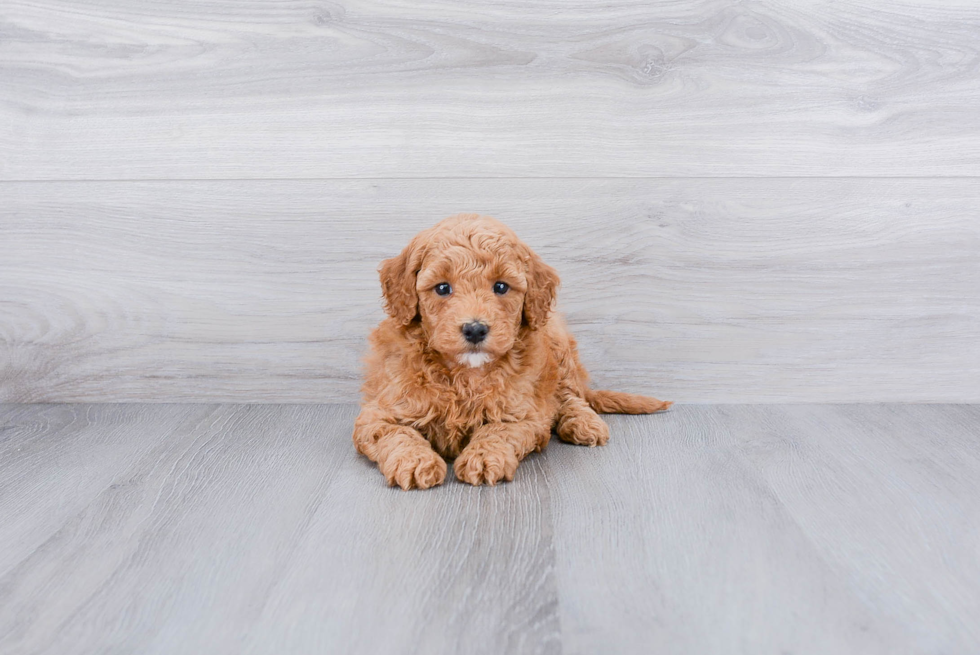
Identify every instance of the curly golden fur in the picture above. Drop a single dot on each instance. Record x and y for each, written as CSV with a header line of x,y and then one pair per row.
x,y
485,395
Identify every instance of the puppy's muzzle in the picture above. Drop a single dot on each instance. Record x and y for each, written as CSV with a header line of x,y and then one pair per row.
x,y
475,331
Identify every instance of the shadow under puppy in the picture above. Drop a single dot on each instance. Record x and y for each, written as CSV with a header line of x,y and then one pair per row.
x,y
472,364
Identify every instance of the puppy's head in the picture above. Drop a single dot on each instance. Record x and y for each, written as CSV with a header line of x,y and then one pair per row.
x,y
472,284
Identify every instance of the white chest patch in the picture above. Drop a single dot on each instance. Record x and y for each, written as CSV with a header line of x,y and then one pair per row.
x,y
473,360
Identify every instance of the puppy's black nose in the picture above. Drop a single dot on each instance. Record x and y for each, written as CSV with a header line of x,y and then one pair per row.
x,y
475,331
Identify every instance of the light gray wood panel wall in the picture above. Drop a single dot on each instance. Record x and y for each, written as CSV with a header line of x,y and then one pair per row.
x,y
695,290
606,134
123,89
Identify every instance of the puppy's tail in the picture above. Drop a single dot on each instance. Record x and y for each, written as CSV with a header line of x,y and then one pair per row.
x,y
617,402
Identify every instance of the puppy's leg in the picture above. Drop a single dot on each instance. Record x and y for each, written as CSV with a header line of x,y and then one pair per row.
x,y
579,424
495,450
402,453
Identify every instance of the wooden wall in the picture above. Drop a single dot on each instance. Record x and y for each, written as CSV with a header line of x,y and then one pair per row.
x,y
747,201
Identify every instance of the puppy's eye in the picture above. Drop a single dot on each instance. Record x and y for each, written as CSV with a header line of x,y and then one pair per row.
x,y
500,288
443,289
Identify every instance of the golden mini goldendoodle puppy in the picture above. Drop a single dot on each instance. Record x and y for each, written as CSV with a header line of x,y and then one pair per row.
x,y
472,364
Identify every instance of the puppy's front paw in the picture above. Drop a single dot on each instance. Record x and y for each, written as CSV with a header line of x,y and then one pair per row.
x,y
487,462
416,468
584,428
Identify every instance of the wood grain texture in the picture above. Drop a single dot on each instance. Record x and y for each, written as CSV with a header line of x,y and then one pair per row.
x,y
463,570
124,89
694,290
762,529
671,541
257,529
863,485
38,443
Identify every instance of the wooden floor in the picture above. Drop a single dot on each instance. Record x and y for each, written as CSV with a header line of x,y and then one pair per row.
x,y
710,529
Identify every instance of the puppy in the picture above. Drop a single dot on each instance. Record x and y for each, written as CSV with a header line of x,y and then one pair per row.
x,y
472,364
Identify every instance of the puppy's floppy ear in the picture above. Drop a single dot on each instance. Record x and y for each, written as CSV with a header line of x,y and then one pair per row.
x,y
398,282
542,288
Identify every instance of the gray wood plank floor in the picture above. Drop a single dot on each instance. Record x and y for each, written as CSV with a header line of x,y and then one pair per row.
x,y
709,529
